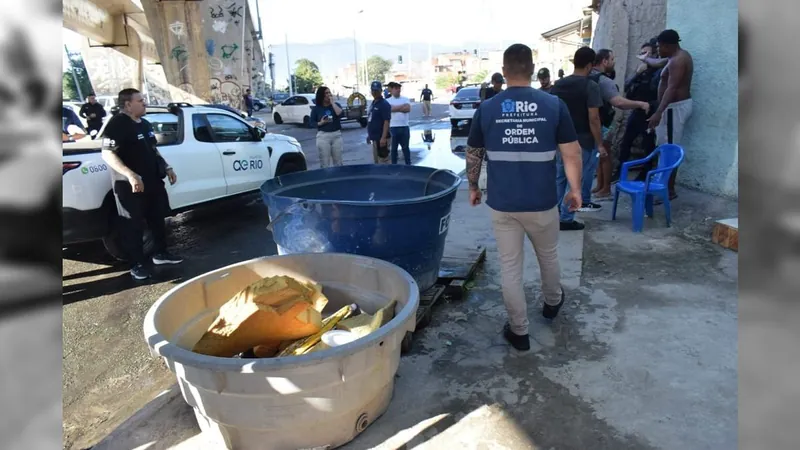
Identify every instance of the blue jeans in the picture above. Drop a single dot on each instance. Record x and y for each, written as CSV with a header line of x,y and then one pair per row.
x,y
587,177
400,136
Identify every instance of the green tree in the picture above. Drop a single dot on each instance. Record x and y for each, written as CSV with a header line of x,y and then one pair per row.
x,y
480,76
377,68
446,80
307,76
77,67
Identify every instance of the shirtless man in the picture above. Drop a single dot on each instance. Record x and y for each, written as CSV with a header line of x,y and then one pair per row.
x,y
674,94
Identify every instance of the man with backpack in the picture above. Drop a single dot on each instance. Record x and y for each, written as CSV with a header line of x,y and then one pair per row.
x,y
583,100
600,74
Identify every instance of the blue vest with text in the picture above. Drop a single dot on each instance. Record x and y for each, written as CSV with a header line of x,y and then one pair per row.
x,y
521,128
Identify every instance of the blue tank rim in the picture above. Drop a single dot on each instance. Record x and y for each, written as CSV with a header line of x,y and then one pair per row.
x,y
372,167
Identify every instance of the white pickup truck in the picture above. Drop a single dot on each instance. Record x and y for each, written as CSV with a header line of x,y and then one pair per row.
x,y
215,154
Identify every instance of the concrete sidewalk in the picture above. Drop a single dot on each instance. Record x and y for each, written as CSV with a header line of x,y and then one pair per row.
x,y
643,355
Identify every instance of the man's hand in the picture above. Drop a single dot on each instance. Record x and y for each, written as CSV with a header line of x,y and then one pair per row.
x,y
474,196
573,200
172,177
654,120
644,106
92,115
136,183
603,150
383,142
641,57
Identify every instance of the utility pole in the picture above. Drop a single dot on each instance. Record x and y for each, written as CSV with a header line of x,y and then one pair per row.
x,y
355,55
74,77
288,65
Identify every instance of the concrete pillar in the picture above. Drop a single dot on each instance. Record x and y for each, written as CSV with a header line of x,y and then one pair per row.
x,y
177,30
115,67
224,27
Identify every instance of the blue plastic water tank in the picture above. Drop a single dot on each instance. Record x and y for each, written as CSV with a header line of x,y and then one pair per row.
x,y
396,213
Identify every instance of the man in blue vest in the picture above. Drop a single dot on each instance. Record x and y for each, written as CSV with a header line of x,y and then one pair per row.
x,y
519,131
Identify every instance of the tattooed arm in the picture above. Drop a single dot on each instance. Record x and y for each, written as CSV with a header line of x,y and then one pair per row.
x,y
474,163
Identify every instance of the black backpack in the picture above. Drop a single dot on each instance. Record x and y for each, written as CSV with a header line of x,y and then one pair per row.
x,y
606,111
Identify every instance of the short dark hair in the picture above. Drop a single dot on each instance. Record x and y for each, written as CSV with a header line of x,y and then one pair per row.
x,y
584,56
518,61
668,37
602,55
126,95
646,44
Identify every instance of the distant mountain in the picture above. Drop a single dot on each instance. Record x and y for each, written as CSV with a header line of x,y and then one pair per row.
x,y
335,54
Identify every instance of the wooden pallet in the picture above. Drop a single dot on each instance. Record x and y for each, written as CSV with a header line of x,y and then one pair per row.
x,y
455,271
726,234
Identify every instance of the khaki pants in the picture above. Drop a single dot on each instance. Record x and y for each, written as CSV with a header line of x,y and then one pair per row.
x,y
375,157
426,107
329,145
542,230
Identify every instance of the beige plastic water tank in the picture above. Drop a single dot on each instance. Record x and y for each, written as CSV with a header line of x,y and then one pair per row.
x,y
319,400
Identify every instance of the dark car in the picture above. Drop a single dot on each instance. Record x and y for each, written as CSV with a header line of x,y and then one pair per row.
x,y
259,104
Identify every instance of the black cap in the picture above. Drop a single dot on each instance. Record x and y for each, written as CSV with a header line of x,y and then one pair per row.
x,y
497,78
393,84
544,72
668,37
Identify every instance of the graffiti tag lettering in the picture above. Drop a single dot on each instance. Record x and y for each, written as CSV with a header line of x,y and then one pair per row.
x,y
178,28
179,53
234,11
229,50
216,13
214,64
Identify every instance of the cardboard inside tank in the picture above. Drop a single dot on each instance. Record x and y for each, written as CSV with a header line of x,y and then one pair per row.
x,y
218,291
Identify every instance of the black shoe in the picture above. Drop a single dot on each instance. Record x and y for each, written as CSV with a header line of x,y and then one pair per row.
x,y
590,207
550,311
166,258
140,272
572,225
521,343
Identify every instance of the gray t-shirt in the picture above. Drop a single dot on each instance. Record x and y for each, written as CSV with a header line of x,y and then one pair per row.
x,y
608,89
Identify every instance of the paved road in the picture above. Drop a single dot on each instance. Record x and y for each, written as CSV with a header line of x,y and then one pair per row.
x,y
108,372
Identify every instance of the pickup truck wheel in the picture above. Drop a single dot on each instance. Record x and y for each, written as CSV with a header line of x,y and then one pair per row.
x,y
362,122
113,243
288,167
277,118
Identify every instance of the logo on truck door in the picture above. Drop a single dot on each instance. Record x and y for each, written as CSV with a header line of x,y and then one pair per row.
x,y
240,165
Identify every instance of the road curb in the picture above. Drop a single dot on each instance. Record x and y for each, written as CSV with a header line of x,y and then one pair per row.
x,y
125,430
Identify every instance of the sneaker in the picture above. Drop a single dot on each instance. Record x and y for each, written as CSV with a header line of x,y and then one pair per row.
x,y
166,258
519,342
551,311
140,272
572,225
590,207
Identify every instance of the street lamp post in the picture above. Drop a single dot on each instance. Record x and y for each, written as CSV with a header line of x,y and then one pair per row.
x,y
289,65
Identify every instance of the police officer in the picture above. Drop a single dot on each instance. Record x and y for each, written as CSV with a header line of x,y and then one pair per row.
x,y
129,148
519,131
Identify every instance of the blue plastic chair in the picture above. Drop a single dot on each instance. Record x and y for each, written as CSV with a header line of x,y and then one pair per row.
x,y
670,156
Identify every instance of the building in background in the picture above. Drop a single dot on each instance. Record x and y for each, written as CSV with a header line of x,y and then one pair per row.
x,y
557,46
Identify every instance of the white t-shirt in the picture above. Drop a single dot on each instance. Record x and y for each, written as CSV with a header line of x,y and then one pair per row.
x,y
399,119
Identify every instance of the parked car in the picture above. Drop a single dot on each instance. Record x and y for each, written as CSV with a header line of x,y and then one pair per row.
x,y
216,154
259,104
462,108
297,109
76,107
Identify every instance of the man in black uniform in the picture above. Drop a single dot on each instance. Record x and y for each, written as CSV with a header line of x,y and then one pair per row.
x,y
93,112
129,147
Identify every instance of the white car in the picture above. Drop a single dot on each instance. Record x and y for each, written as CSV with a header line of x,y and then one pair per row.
x,y
295,109
76,108
216,155
464,104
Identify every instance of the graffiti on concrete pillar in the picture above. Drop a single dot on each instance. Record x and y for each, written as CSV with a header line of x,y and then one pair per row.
x,y
234,13
230,77
220,26
216,12
178,28
215,65
226,92
229,50
210,47
179,53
